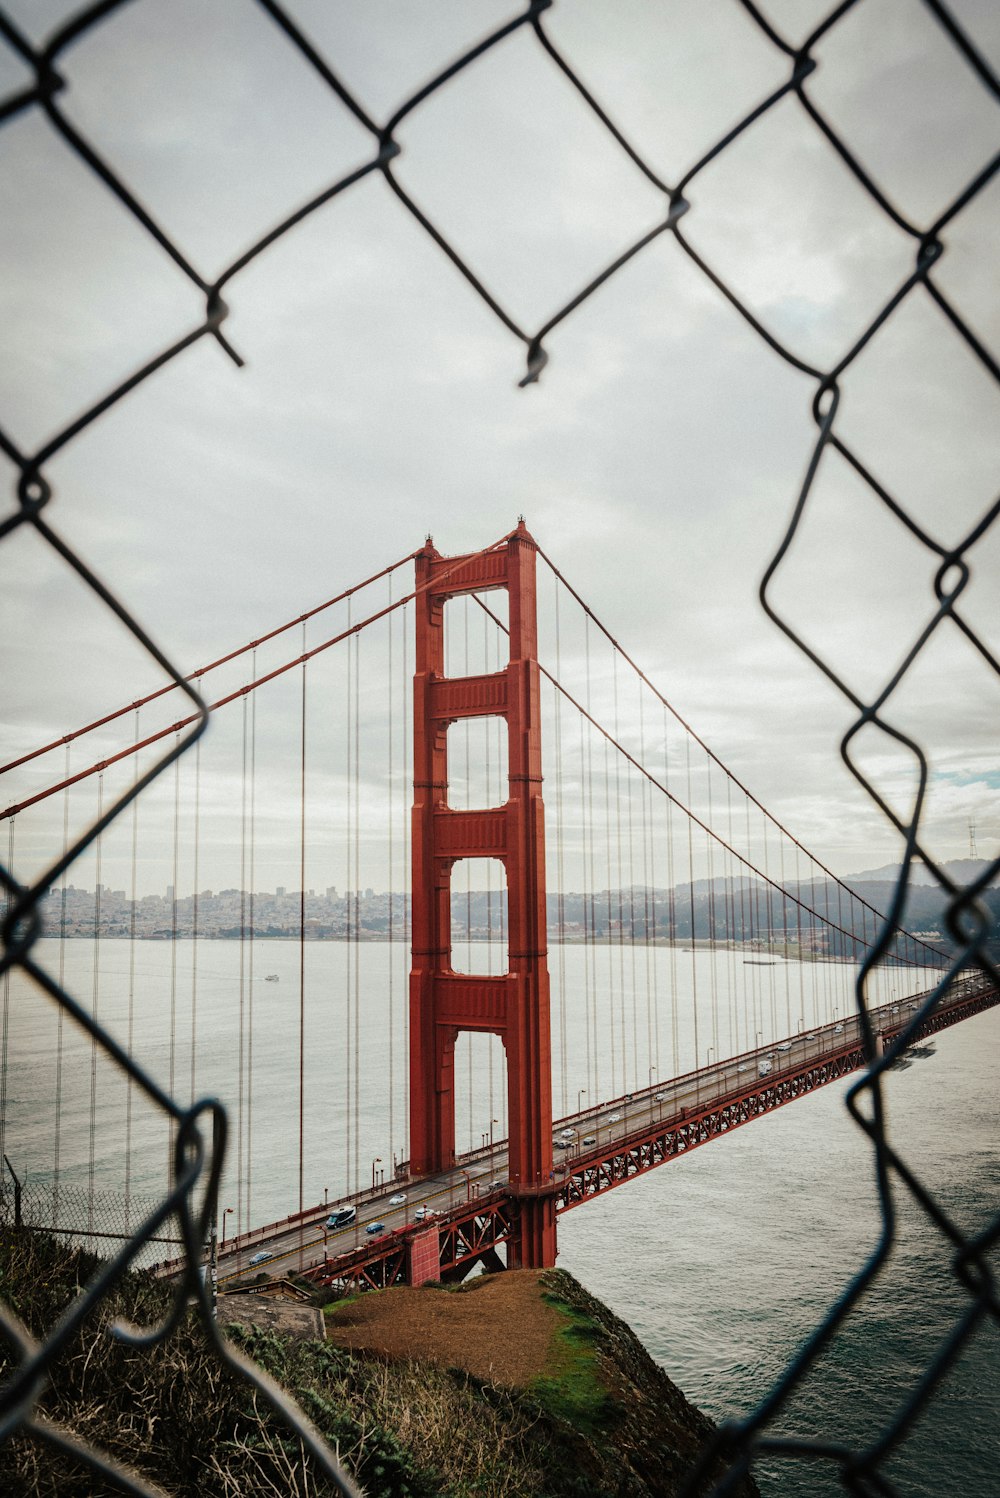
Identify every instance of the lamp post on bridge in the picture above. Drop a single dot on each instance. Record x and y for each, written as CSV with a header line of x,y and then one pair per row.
x,y
225,1214
581,1093
492,1122
377,1161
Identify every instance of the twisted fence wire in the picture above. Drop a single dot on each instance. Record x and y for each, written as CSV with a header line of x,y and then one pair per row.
x,y
200,1129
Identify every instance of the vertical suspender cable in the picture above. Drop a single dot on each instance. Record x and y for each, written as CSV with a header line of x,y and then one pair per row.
x,y
734,931
619,875
784,931
130,1032
694,953
467,1037
648,903
587,883
391,775
194,912
348,918
302,931
798,941
607,923
60,1016
671,901
406,866
594,1050
4,1036
241,1110
356,642
768,896
493,798
560,846
95,1007
712,933
175,865
248,1154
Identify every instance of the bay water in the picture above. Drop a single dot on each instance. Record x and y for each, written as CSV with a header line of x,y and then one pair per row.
x,y
723,1262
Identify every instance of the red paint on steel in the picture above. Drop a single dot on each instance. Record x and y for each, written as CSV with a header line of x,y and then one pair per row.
x,y
424,1258
514,1006
668,1139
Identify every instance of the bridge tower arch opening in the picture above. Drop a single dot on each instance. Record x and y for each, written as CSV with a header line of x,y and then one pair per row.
x,y
445,1001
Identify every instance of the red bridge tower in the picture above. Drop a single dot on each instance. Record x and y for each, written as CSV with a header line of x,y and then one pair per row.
x,y
443,1002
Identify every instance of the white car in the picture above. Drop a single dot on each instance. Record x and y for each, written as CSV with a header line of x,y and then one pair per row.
x,y
661,1097
398,1199
262,1257
785,1046
423,1212
568,1134
614,1118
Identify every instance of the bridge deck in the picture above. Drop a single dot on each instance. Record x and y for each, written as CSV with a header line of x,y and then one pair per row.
x,y
449,1221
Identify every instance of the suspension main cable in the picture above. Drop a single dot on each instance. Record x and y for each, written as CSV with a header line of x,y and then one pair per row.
x,y
223,660
251,686
941,958
688,729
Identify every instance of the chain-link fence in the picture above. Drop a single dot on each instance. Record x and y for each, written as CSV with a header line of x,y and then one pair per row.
x,y
96,1221
40,96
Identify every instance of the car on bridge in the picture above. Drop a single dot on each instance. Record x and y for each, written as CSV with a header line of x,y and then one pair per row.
x,y
590,1139
375,1227
341,1217
262,1257
424,1211
398,1199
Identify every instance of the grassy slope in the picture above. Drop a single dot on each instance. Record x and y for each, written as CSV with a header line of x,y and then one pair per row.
x,y
598,1421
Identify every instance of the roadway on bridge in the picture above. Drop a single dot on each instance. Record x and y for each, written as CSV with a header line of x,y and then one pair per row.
x,y
291,1246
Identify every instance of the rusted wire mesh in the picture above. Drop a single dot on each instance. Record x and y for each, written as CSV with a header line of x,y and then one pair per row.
x,y
47,78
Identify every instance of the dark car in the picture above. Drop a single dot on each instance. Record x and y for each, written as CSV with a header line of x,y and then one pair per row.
x,y
375,1227
341,1217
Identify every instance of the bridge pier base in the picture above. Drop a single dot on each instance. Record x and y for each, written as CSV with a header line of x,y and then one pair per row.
x,y
535,1245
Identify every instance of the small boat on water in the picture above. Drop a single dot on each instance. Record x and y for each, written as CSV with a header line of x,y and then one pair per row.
x,y
271,978
759,962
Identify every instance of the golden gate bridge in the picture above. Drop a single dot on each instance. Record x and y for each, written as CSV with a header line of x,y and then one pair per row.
x,y
651,939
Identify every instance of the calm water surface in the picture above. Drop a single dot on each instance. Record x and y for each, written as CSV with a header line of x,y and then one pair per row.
x,y
725,1261
722,1262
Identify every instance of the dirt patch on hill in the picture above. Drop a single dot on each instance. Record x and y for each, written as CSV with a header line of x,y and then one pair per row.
x,y
497,1327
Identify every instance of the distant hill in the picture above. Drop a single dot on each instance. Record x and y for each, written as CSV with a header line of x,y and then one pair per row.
x,y
961,870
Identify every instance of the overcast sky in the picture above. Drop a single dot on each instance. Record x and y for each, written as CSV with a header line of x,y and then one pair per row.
x,y
659,457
